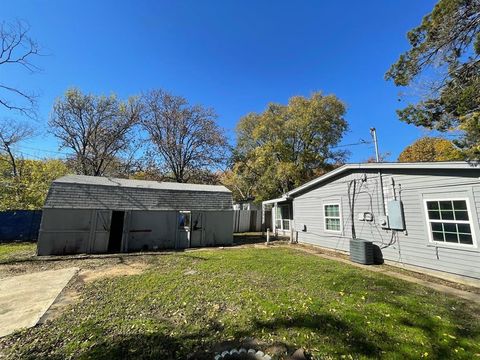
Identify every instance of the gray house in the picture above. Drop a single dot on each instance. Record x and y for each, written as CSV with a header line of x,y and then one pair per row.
x,y
421,214
86,214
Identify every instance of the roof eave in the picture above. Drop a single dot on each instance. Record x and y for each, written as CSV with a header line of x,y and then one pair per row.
x,y
379,166
277,200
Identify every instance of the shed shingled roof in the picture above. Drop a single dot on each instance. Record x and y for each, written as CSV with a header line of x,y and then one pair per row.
x,y
145,184
90,192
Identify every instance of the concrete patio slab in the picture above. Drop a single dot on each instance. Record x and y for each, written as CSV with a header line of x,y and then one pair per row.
x,y
25,298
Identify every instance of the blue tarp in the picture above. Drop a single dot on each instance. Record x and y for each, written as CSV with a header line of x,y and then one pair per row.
x,y
19,225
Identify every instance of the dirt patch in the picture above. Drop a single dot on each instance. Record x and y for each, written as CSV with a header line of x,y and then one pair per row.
x,y
68,297
71,294
84,262
90,275
38,264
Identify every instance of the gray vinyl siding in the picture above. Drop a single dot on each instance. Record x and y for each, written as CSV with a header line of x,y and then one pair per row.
x,y
413,246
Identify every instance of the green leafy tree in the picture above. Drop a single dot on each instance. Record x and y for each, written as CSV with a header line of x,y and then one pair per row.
x,y
28,189
430,149
444,60
240,182
287,145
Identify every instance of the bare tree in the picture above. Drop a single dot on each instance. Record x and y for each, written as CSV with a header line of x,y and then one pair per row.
x,y
12,133
186,136
17,49
98,129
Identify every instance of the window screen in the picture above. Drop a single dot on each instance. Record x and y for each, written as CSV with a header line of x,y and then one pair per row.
x,y
332,217
449,221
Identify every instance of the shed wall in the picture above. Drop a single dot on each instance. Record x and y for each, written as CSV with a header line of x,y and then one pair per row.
x,y
152,229
411,247
73,231
64,231
218,228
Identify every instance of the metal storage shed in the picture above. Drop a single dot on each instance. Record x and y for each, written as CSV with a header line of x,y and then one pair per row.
x,y
86,214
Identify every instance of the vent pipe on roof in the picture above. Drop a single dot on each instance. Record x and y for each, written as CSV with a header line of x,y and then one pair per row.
x,y
373,133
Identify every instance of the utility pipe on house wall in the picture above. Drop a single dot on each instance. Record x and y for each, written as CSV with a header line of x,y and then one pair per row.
x,y
292,225
393,187
274,220
373,133
382,197
263,219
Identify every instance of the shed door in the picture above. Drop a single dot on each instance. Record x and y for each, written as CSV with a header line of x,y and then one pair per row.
x,y
197,234
116,232
101,231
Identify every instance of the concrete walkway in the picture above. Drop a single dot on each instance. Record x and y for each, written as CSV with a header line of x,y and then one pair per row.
x,y
25,298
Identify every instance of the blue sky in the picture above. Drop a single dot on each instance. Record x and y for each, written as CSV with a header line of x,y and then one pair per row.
x,y
235,56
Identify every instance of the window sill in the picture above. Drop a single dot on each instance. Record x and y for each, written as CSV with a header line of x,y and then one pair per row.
x,y
337,232
453,247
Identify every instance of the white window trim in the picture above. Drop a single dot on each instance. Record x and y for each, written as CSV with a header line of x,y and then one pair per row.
x,y
275,219
333,217
281,218
469,222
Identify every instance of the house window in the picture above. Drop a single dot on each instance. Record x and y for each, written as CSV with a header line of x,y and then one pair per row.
x,y
449,221
332,217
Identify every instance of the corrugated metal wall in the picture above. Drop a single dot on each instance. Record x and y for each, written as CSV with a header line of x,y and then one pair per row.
x,y
410,247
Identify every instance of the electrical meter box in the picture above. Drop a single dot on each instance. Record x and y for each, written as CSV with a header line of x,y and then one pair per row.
x,y
396,219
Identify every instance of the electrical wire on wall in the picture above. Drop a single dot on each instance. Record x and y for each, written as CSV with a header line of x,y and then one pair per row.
x,y
370,202
364,195
368,185
360,186
393,240
351,203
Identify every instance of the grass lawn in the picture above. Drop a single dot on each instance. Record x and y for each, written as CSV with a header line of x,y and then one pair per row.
x,y
13,251
190,304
